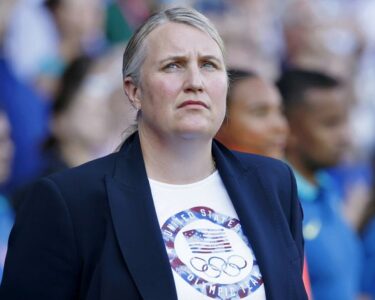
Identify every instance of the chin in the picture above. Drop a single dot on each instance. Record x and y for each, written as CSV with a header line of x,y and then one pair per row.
x,y
198,130
193,133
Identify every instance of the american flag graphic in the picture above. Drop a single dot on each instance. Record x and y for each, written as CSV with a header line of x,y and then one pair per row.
x,y
207,240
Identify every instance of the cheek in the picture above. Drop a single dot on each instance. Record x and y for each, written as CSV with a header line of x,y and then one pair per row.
x,y
255,127
161,90
218,94
218,86
243,127
321,136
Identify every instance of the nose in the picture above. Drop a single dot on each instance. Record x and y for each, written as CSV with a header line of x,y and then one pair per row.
x,y
194,79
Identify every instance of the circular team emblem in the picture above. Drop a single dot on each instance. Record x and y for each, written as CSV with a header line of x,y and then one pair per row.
x,y
210,252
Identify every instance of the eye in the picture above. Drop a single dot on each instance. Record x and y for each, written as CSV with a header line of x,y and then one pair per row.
x,y
259,112
172,66
209,65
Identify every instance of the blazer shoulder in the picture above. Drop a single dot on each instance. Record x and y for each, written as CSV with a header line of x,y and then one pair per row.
x,y
262,164
86,173
266,167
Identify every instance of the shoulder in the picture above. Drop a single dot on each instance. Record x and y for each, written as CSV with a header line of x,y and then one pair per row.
x,y
270,168
74,198
79,188
87,173
261,163
275,176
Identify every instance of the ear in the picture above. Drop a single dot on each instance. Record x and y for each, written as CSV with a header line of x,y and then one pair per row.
x,y
133,92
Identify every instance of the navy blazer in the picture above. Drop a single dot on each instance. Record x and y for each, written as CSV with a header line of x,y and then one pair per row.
x,y
92,232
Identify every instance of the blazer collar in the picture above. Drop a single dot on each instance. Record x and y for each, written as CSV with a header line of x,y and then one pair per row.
x,y
260,218
138,232
136,224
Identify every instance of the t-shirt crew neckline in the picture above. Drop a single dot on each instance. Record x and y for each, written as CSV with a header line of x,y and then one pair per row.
x,y
199,183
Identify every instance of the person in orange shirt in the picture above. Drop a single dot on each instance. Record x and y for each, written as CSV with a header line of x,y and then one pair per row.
x,y
255,122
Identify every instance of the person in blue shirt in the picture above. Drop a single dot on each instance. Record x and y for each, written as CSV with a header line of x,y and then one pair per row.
x,y
367,232
6,211
317,111
368,238
28,116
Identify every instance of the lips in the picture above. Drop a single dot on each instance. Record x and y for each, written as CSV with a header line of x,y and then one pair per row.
x,y
192,103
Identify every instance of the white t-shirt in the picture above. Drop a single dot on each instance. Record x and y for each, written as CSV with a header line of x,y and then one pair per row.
x,y
210,256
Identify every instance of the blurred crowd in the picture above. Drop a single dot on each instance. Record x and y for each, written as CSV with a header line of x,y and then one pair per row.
x,y
62,104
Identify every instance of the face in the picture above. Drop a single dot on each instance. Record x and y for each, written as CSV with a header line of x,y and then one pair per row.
x,y
82,19
319,128
86,120
6,7
183,84
255,122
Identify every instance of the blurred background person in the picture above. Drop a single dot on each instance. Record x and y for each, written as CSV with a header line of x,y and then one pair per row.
x,y
335,37
317,112
56,32
323,35
88,116
26,111
254,120
367,231
6,212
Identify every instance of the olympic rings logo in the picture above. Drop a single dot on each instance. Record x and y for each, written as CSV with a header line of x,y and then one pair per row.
x,y
216,266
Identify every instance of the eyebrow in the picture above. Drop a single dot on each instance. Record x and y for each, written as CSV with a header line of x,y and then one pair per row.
x,y
184,57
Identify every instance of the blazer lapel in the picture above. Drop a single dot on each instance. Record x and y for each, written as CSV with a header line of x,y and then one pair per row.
x,y
254,210
136,224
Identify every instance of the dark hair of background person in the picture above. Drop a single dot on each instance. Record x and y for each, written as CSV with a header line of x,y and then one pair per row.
x,y
236,75
52,4
294,83
71,82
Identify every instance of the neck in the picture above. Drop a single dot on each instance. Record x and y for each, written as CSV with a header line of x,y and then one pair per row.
x,y
176,160
302,169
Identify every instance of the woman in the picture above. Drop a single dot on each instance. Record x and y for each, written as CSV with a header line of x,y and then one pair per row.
x,y
86,113
255,122
172,215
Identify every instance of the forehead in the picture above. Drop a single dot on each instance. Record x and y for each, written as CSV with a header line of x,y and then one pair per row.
x,y
256,90
323,99
180,39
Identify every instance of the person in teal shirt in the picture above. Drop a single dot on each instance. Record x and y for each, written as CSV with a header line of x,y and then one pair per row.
x,y
317,111
6,211
6,223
